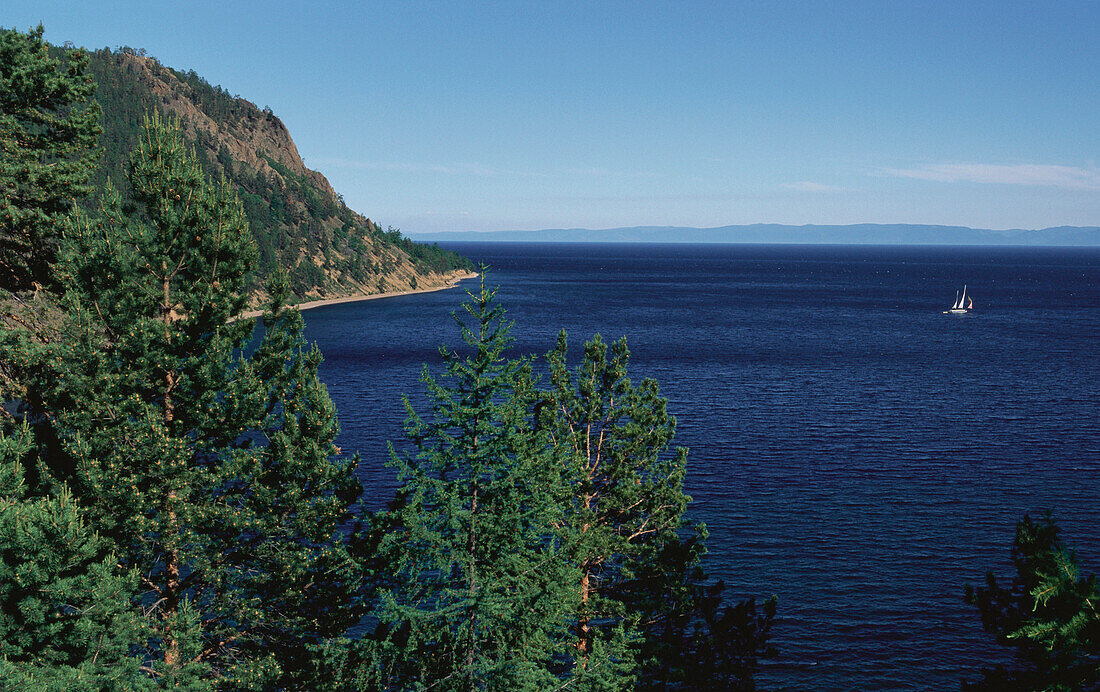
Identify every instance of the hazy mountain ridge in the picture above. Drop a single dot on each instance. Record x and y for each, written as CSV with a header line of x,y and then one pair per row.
x,y
298,221
855,234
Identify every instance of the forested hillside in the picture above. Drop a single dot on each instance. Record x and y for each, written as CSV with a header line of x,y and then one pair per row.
x,y
298,221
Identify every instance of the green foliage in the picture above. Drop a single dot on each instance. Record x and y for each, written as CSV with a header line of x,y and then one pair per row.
x,y
428,257
476,588
1048,614
65,616
628,500
170,512
643,605
209,471
48,131
538,540
124,101
306,276
215,101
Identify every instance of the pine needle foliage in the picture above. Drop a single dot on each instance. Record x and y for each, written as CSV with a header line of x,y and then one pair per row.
x,y
646,615
49,124
65,616
627,502
204,458
1049,614
477,588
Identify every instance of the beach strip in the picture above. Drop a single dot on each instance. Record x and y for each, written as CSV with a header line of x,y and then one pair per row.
x,y
309,305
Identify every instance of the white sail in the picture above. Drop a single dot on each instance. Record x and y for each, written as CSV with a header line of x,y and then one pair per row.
x,y
960,306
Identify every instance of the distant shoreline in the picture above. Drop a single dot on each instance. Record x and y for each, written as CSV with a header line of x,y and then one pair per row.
x,y
309,305
780,234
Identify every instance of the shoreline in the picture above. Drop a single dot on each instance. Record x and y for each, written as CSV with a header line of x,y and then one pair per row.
x,y
309,305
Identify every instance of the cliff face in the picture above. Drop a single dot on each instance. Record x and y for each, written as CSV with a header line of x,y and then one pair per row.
x,y
297,219
249,135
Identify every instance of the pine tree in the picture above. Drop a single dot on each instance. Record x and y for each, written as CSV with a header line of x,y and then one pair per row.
x,y
207,463
65,616
697,642
477,589
49,123
48,128
646,614
627,504
1049,614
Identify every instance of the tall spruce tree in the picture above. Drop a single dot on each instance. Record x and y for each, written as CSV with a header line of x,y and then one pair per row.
x,y
49,123
1049,614
477,590
65,616
208,465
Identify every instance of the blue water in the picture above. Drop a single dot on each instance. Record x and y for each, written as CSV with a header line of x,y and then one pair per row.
x,y
853,450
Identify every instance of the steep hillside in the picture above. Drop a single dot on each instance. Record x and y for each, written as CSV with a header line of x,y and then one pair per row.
x,y
298,220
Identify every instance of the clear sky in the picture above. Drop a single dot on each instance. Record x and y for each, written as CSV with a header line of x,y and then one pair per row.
x,y
515,115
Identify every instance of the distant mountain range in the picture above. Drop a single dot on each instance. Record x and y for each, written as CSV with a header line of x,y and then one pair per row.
x,y
857,234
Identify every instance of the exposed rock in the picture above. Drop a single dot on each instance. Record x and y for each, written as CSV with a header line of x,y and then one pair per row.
x,y
298,220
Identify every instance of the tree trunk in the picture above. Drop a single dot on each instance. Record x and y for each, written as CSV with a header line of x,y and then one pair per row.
x,y
471,575
171,560
471,585
171,641
584,625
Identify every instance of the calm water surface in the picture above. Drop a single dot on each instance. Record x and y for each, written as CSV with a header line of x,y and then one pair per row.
x,y
853,450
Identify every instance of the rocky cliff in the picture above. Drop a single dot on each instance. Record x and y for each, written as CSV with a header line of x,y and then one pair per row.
x,y
299,222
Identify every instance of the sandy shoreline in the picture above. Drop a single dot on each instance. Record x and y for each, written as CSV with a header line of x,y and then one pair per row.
x,y
309,305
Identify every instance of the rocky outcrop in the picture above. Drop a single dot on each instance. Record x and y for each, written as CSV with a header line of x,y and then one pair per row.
x,y
299,222
251,136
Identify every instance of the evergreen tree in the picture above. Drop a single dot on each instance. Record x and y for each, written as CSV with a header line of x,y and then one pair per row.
x,y
1049,614
698,643
477,591
65,616
646,615
206,463
627,502
49,123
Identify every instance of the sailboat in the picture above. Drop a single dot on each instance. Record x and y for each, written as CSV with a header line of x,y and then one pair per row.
x,y
962,304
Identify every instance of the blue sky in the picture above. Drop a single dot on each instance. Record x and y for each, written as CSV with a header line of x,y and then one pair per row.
x,y
489,116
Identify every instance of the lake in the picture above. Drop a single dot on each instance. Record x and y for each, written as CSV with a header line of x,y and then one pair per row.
x,y
853,450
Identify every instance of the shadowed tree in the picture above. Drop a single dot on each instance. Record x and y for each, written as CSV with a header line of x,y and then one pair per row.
x,y
1049,614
